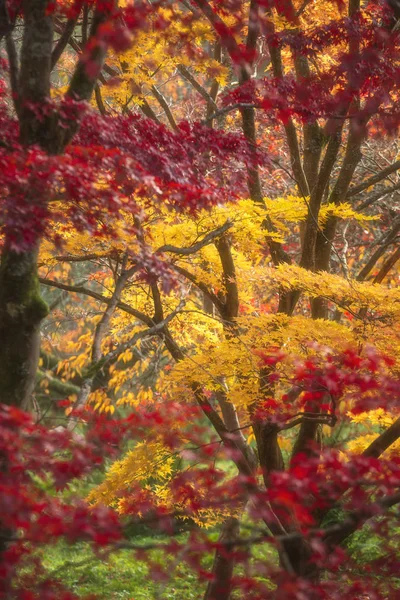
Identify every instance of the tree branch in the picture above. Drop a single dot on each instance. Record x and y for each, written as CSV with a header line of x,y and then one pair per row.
x,y
99,100
63,41
227,109
154,330
383,441
231,303
356,189
208,238
202,286
101,329
377,196
86,292
82,82
13,70
387,265
6,26
197,86
55,385
165,106
390,238
336,534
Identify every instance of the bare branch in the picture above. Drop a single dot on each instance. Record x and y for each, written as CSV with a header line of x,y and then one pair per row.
x,y
197,86
387,265
165,106
375,197
63,41
389,239
356,189
78,289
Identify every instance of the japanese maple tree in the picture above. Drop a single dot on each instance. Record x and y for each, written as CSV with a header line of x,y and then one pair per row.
x,y
223,244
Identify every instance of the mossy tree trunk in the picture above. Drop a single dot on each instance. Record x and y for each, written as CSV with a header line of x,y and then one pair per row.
x,y
21,312
21,307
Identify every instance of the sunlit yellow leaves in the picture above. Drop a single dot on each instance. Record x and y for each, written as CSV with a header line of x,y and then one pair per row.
x,y
147,460
347,294
232,363
101,402
361,443
293,209
374,417
155,55
374,422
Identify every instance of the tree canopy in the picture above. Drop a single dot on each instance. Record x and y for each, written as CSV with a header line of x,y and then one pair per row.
x,y
199,288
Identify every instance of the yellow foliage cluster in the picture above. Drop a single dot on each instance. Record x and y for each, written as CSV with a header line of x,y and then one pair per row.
x,y
148,460
378,420
216,357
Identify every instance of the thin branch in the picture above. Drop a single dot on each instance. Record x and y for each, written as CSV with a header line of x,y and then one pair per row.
x,y
210,237
323,419
389,239
387,265
336,534
81,258
77,289
219,25
215,84
63,41
303,7
165,106
375,197
100,331
154,330
202,286
197,86
356,189
99,100
148,111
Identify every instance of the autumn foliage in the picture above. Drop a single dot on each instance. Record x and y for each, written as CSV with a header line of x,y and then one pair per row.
x,y
199,290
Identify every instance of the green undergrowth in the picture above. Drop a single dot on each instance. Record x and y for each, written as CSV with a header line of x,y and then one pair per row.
x,y
122,576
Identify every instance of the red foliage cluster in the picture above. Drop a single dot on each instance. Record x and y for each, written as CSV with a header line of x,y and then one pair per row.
x,y
112,161
291,506
369,72
30,454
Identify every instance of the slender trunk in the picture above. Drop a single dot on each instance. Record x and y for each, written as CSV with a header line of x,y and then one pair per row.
x,y
220,587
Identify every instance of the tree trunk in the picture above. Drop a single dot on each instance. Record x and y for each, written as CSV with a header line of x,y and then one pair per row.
x,y
220,587
21,311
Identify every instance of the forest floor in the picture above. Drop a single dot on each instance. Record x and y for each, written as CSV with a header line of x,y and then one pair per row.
x,y
122,576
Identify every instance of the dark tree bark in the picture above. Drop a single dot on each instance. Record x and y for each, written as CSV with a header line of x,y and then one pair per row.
x,y
220,587
21,307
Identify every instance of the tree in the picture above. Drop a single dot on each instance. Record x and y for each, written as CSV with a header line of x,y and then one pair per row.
x,y
124,166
